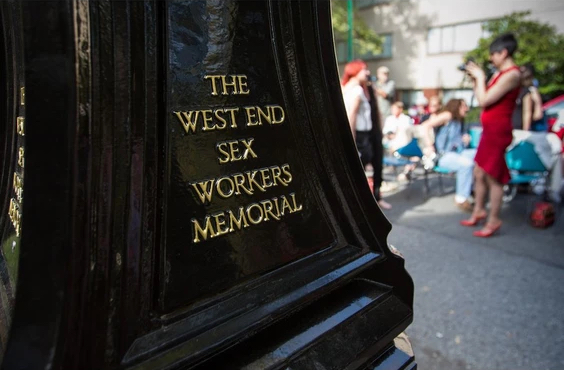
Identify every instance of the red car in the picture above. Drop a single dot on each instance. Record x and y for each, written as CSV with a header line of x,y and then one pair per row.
x,y
551,109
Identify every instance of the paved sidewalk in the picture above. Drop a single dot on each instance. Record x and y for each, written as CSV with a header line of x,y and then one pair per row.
x,y
493,303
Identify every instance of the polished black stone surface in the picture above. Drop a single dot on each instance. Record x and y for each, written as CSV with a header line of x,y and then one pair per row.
x,y
170,223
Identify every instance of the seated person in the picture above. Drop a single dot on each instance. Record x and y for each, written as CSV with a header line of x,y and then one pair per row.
x,y
420,110
435,105
450,145
397,128
528,113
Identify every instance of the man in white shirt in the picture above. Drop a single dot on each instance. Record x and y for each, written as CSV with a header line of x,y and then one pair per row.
x,y
397,128
385,90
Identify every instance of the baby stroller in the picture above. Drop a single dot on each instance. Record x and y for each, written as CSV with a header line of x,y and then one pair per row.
x,y
526,168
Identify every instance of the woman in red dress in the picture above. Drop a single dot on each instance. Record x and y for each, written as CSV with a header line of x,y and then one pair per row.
x,y
497,98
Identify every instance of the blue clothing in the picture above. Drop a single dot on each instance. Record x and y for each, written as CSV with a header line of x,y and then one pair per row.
x,y
463,164
449,138
454,157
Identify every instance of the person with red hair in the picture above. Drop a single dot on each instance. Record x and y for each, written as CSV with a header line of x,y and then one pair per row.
x,y
355,85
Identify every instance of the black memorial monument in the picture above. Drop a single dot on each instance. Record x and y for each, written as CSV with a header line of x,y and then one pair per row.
x,y
180,189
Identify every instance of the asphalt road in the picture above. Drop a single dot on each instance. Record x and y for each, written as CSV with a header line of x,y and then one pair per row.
x,y
494,303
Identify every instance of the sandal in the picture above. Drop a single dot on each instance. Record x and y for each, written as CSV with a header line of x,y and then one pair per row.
x,y
487,231
473,221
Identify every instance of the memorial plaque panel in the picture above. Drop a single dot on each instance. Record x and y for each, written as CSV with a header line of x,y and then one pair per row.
x,y
251,206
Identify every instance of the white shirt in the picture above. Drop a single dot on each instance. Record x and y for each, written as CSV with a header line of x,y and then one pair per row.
x,y
400,126
394,124
363,117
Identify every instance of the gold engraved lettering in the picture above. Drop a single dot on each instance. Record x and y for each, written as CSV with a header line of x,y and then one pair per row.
x,y
15,216
277,118
286,171
259,213
20,126
230,188
230,84
251,178
203,231
243,183
286,204
243,89
17,182
229,221
22,95
267,206
189,125
239,221
218,119
264,115
232,112
294,203
240,182
204,189
206,115
220,225
251,114
18,187
265,175
271,114
230,152
213,79
276,172
21,157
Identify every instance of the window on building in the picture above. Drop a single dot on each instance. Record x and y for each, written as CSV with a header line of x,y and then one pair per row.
x,y
454,38
385,53
341,50
367,3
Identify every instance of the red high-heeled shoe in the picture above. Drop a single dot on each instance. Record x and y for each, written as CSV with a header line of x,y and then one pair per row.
x,y
473,221
487,231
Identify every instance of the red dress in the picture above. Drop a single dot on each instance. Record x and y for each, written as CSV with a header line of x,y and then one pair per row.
x,y
497,133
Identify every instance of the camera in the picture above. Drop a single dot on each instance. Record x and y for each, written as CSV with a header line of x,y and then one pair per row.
x,y
462,67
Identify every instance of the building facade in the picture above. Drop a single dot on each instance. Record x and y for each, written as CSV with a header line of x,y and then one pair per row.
x,y
425,40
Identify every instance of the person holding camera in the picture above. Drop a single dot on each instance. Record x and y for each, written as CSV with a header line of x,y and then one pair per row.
x,y
385,92
497,98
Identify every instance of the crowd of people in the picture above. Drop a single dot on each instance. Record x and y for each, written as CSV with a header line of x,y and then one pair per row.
x,y
509,100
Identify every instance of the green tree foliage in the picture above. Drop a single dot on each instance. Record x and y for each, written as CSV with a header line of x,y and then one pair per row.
x,y
539,44
365,40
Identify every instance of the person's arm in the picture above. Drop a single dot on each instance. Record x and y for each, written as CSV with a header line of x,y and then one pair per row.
x,y
438,119
427,130
390,90
527,112
389,126
352,111
537,103
506,83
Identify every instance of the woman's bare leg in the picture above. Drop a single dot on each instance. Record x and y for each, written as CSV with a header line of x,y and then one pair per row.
x,y
480,190
496,198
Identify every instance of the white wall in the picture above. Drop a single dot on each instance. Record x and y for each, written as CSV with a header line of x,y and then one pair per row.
x,y
409,21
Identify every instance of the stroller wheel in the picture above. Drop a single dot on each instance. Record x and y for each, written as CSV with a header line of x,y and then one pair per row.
x,y
509,192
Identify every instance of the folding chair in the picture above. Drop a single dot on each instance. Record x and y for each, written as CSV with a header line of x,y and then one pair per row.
x,y
525,167
402,156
